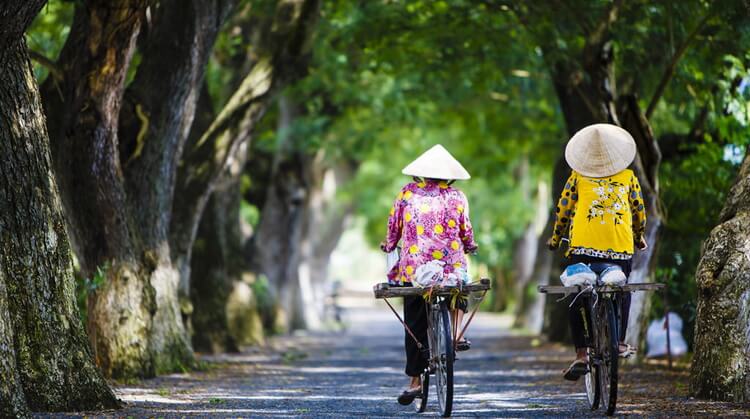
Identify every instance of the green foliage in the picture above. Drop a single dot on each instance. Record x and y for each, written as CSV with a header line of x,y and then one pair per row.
x,y
249,213
85,286
266,304
389,79
694,189
48,32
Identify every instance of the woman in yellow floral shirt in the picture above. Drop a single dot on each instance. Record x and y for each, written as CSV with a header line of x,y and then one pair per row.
x,y
602,211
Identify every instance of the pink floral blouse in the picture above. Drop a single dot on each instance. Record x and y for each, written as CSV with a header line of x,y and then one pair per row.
x,y
431,219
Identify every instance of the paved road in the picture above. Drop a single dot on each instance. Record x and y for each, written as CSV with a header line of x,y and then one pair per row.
x,y
359,374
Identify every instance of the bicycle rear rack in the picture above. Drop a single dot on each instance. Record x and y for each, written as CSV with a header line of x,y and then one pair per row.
x,y
559,289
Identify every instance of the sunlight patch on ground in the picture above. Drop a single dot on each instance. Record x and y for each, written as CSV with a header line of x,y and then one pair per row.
x,y
140,396
505,398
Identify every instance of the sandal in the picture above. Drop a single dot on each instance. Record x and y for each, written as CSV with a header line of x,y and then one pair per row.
x,y
463,345
577,369
408,396
625,350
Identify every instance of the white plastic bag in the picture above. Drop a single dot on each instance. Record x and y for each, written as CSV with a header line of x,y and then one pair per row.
x,y
392,258
433,273
577,274
656,337
429,274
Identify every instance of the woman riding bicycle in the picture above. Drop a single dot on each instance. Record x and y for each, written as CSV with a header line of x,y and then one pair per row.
x,y
431,220
603,210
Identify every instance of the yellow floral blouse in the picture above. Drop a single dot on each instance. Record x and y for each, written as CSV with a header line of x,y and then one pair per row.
x,y
606,216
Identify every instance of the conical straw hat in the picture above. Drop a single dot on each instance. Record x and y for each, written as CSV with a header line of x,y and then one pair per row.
x,y
600,150
436,163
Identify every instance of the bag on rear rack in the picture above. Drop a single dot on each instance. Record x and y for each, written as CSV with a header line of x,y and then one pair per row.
x,y
578,274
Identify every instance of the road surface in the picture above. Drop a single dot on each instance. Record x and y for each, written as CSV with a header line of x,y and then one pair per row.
x,y
359,373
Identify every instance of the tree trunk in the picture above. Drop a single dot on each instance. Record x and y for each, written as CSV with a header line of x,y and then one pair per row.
x,y
582,104
45,360
122,222
226,305
326,219
83,114
282,50
529,309
166,90
217,266
646,167
277,240
556,325
721,366
524,247
590,98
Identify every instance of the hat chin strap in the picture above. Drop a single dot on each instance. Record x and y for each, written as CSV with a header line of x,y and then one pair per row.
x,y
420,179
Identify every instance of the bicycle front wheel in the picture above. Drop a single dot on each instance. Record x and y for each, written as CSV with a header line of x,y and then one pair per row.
x,y
444,370
607,334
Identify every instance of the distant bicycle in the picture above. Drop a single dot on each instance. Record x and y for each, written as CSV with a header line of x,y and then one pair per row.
x,y
332,310
441,335
601,380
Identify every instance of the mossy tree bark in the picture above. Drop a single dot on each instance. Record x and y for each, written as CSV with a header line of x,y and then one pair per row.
x,y
117,169
218,259
721,365
45,359
217,266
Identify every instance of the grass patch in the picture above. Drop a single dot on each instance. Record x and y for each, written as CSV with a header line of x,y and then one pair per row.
x,y
205,366
292,355
129,381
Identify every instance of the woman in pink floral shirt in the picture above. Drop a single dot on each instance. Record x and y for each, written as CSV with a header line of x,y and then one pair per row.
x,y
431,220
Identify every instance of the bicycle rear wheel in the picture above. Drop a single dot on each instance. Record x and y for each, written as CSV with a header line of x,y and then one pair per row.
x,y
421,405
592,383
444,370
607,337
592,380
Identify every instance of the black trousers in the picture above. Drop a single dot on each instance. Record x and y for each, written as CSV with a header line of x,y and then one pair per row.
x,y
415,316
580,319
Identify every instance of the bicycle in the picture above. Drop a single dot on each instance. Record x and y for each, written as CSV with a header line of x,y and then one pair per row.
x,y
441,335
601,380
